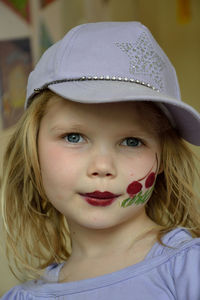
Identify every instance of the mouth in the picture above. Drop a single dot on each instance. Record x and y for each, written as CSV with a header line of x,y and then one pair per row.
x,y
101,195
100,198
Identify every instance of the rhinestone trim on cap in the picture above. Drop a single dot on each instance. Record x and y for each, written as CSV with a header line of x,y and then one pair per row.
x,y
143,59
112,78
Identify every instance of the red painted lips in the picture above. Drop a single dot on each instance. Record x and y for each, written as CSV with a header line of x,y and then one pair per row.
x,y
100,202
100,195
100,198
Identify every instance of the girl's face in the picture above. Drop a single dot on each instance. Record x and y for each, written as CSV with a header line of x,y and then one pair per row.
x,y
103,148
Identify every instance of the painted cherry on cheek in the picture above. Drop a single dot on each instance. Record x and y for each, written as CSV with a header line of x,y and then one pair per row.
x,y
150,180
134,189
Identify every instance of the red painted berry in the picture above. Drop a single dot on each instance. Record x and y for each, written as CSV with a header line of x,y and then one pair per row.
x,y
134,188
150,180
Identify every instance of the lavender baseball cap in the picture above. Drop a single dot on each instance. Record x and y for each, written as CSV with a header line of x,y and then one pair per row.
x,y
110,62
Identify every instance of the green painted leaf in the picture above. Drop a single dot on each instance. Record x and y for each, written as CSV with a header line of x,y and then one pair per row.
x,y
131,202
145,196
135,199
138,198
124,202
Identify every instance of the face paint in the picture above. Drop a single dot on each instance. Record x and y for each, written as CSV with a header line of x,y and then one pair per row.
x,y
135,188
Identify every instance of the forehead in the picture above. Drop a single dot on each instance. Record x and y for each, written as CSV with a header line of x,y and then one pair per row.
x,y
125,113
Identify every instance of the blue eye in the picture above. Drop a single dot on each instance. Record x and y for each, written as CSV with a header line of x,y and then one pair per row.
x,y
132,142
73,137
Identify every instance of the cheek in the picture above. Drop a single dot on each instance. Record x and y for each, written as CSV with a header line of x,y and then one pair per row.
x,y
139,193
59,171
137,167
140,189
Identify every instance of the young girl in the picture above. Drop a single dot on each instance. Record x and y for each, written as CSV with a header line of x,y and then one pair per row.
x,y
97,194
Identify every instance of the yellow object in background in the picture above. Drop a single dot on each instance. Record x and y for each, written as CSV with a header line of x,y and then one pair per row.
x,y
183,11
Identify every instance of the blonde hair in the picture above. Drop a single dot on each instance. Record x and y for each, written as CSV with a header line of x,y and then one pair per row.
x,y
36,233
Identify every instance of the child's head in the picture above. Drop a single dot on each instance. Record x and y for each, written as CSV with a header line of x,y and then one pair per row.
x,y
104,147
108,131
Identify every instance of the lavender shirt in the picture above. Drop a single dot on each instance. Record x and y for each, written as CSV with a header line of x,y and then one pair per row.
x,y
164,274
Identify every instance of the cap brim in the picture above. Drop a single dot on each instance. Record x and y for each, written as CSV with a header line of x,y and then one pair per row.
x,y
186,118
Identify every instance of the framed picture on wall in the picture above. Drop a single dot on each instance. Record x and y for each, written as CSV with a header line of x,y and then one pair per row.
x,y
20,7
15,66
45,2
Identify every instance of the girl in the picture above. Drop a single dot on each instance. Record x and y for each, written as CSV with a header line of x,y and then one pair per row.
x,y
97,187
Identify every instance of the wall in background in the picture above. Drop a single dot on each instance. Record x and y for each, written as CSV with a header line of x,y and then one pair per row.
x,y
15,27
179,40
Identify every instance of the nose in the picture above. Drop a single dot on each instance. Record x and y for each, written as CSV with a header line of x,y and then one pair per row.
x,y
102,166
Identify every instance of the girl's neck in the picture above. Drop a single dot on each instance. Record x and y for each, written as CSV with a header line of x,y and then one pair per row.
x,y
79,269
101,243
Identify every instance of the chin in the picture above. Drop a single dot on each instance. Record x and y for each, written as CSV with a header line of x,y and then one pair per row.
x,y
99,224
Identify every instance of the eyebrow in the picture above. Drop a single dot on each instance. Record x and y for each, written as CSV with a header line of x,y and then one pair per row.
x,y
75,127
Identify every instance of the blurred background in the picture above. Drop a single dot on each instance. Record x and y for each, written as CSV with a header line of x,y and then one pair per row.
x,y
28,27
